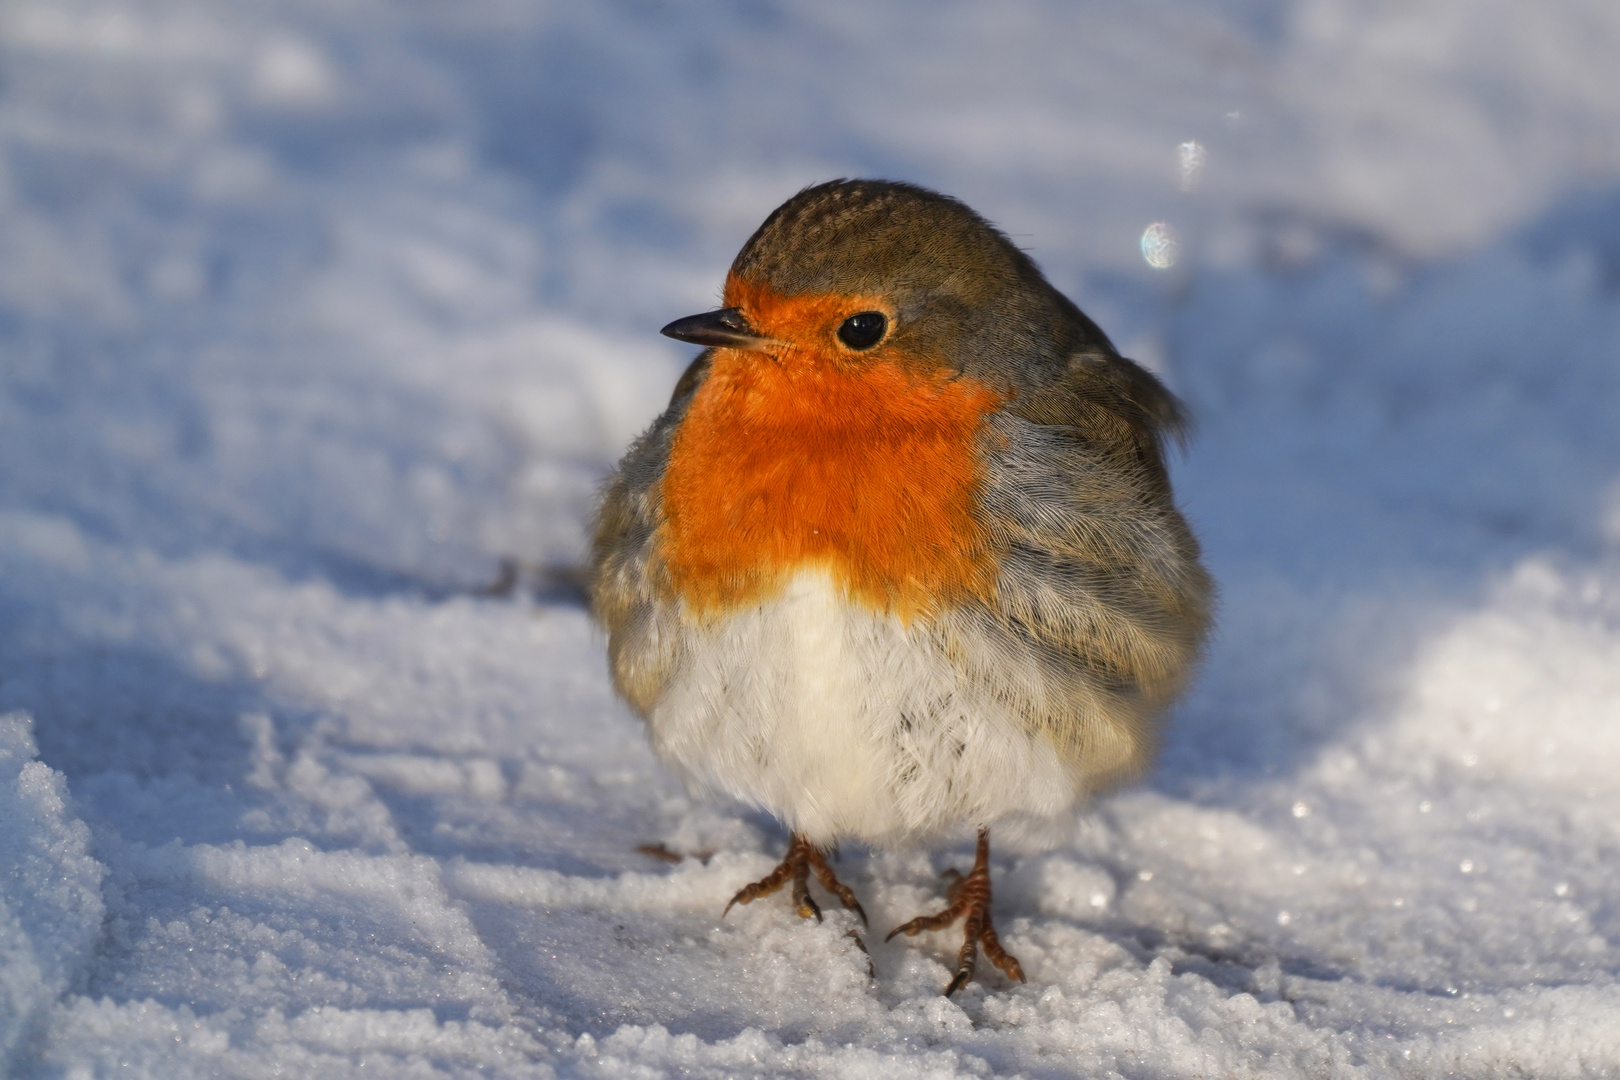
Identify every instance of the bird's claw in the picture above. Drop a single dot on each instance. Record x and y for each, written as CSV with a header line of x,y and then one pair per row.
x,y
968,895
802,903
802,857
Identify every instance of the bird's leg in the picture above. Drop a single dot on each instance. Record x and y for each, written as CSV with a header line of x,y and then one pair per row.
x,y
801,858
968,896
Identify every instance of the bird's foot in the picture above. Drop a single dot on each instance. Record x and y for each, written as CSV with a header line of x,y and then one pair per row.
x,y
802,857
968,896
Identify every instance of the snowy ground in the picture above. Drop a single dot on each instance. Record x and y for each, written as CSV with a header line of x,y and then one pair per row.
x,y
310,313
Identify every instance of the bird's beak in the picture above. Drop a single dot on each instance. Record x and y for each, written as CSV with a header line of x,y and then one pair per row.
x,y
726,329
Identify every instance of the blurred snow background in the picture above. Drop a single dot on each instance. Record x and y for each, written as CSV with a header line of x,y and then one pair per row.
x,y
311,313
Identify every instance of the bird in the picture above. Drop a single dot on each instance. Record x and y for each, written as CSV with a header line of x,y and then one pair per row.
x,y
900,562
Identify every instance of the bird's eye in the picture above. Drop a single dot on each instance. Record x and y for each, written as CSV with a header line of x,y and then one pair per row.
x,y
864,330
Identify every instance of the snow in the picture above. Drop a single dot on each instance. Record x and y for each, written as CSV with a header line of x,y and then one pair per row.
x,y
311,314
50,901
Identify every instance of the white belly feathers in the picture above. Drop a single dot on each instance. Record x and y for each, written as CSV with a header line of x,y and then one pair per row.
x,y
846,724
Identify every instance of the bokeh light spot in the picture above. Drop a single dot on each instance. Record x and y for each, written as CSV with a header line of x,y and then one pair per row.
x,y
1159,246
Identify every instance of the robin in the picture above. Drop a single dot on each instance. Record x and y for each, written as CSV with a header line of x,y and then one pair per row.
x,y
901,558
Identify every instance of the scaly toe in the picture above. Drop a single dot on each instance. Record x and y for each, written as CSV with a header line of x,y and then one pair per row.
x,y
926,922
1000,957
830,882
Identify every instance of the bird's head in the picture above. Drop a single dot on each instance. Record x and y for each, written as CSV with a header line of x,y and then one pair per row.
x,y
862,271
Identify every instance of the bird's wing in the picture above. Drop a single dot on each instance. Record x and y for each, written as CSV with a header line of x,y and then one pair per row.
x,y
622,589
1100,605
1114,403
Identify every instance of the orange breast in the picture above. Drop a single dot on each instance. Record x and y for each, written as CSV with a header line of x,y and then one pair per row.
x,y
862,468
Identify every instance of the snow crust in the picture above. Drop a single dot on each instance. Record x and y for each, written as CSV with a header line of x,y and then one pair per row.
x,y
311,314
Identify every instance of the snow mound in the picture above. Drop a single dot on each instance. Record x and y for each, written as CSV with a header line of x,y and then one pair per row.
x,y
50,893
